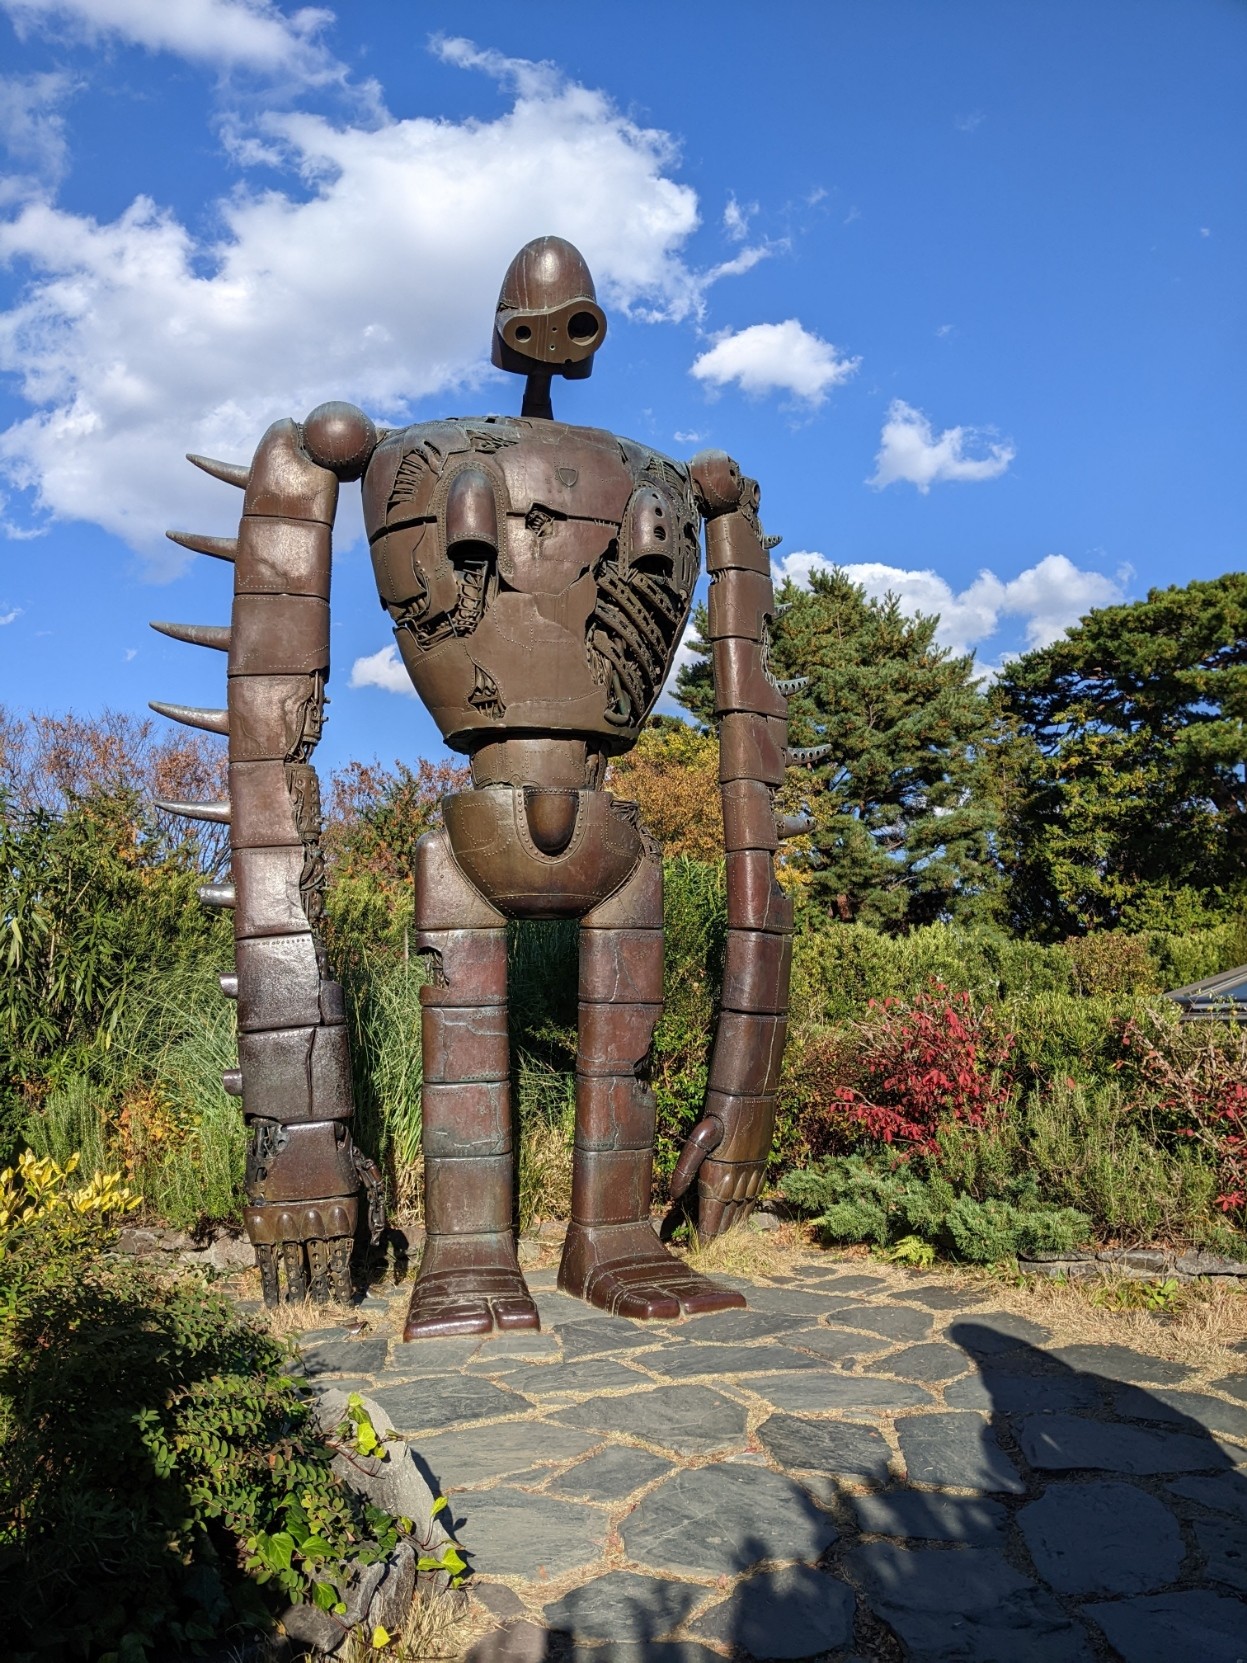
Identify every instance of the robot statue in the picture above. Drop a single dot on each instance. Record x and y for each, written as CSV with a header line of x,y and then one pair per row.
x,y
538,577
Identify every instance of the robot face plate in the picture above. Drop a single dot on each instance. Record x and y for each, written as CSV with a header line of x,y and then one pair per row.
x,y
548,317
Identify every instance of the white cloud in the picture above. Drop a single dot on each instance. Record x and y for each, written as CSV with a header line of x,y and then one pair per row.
x,y
775,357
682,438
10,617
1048,597
32,132
736,217
910,450
384,669
372,278
229,34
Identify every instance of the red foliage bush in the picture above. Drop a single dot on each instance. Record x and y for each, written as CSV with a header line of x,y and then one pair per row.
x,y
1195,1080
903,1074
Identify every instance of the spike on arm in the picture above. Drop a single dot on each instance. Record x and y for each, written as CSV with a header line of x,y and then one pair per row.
x,y
229,473
198,635
220,548
193,716
218,812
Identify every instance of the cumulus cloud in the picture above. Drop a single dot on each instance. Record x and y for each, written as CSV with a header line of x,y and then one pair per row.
x,y
382,669
775,357
736,217
228,34
1048,597
32,132
10,617
135,340
910,450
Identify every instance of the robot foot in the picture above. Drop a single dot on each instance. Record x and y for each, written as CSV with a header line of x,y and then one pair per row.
x,y
624,1269
469,1285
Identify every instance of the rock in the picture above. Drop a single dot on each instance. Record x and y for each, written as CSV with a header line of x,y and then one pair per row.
x,y
134,1240
762,1222
339,1356
1151,1259
552,1229
1189,1626
610,1475
517,1643
395,1483
622,1605
498,1599
528,1252
362,1586
228,1254
723,1518
512,1533
789,1613
1074,1270
691,1420
392,1599
311,1626
1102,1538
825,1446
958,1450
1209,1264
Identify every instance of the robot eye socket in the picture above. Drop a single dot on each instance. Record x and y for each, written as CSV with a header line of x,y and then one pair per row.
x,y
582,326
523,332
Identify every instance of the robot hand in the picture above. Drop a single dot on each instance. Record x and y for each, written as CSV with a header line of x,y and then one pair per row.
x,y
726,1152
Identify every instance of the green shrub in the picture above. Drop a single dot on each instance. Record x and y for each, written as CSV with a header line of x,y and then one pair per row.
x,y
854,1199
161,1479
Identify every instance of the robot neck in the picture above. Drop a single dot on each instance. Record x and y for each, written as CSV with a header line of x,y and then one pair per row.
x,y
537,396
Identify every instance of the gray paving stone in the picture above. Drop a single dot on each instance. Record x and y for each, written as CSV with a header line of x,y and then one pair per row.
x,y
511,1533
965,1604
925,1517
446,1400
497,1598
1224,1551
933,1361
893,1322
839,1344
722,1519
826,1446
738,1326
414,1357
788,1613
514,1643
610,1475
344,1357
989,1333
692,1420
852,1283
794,1302
1102,1538
1192,1626
643,1651
526,1344
557,1309
1062,1443
686,1362
595,1334
1187,1409
942,1299
1226,1493
957,1450
1023,1394
459,1459
1119,1362
1235,1385
825,1389
623,1606
596,1374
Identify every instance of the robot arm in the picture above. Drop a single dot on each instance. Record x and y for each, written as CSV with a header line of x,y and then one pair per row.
x,y
728,1148
294,1077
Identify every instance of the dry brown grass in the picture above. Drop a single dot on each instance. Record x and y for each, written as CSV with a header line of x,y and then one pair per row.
x,y
748,1252
437,1628
545,1175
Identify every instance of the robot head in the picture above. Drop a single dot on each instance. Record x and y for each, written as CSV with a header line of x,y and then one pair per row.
x,y
548,317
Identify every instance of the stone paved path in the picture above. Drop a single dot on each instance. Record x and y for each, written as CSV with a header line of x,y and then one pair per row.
x,y
859,1466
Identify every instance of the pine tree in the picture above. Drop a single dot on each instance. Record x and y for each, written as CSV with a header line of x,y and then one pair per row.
x,y
1125,802
903,806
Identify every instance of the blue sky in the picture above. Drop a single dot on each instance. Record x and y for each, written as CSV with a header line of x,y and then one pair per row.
x,y
961,283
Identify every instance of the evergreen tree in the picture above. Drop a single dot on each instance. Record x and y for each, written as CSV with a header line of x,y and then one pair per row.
x,y
1124,795
903,808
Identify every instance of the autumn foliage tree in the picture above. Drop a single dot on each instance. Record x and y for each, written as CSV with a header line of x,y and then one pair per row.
x,y
672,773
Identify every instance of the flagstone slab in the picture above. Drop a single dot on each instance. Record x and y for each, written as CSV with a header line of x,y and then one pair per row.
x,y
924,1516
1102,1538
932,1361
593,1335
610,1475
989,1333
958,1450
796,1302
1120,1363
458,1460
966,1604
1024,1394
687,1362
595,1374
790,1613
344,1357
893,1322
837,1447
691,1420
1063,1443
1186,1409
1193,1625
623,1605
511,1532
1233,1384
942,1299
1226,1493
840,1345
724,1518
1223,1548
735,1327
430,1404
826,1389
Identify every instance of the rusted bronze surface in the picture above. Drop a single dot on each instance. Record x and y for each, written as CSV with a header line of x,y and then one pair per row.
x,y
539,578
